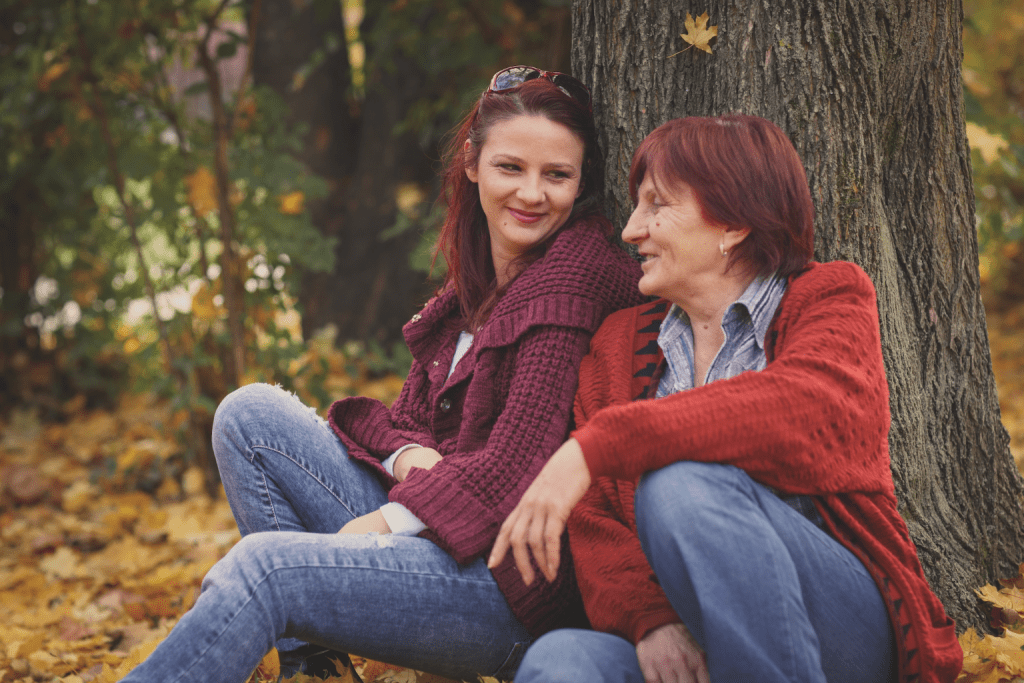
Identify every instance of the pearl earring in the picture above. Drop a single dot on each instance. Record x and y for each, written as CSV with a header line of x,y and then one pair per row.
x,y
721,248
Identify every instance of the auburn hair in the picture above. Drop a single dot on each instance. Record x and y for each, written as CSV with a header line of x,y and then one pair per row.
x,y
745,173
464,240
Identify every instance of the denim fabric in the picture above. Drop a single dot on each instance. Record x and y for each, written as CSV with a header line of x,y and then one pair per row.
x,y
765,592
293,579
571,655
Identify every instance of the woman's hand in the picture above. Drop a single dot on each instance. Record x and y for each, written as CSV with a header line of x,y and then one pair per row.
x,y
669,654
538,520
421,457
367,523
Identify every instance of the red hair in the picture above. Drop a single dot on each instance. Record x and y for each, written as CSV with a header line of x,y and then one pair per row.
x,y
464,241
745,173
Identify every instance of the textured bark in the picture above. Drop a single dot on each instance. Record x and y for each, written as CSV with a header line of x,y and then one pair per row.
x,y
870,93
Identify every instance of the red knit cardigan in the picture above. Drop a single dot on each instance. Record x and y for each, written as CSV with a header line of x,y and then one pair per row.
x,y
814,422
505,409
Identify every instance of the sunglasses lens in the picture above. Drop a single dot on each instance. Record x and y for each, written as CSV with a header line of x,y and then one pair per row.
x,y
573,88
513,77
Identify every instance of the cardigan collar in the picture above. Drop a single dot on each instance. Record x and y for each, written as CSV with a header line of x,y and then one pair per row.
x,y
575,259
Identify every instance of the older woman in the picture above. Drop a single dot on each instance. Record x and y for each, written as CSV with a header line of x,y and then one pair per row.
x,y
763,540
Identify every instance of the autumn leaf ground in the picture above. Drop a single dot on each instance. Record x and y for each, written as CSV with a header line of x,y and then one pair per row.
x,y
94,573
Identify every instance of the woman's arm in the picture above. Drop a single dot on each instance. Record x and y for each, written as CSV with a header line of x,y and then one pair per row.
x,y
371,432
809,423
805,424
464,498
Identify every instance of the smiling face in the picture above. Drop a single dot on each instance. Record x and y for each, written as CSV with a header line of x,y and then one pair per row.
x,y
681,249
528,175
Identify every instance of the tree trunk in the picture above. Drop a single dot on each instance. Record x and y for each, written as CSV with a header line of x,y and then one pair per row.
x,y
870,93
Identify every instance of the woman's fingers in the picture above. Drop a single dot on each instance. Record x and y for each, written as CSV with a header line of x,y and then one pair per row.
x,y
536,541
535,525
521,548
503,542
553,547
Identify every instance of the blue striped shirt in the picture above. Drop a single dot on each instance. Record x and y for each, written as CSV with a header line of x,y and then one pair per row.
x,y
745,325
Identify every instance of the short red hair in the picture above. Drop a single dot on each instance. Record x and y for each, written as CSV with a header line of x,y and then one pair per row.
x,y
745,173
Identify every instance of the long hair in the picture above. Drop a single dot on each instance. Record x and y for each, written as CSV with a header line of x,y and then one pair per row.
x,y
744,172
464,240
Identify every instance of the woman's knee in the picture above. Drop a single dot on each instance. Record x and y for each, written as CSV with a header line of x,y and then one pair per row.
x,y
259,408
567,655
686,495
241,402
248,565
570,655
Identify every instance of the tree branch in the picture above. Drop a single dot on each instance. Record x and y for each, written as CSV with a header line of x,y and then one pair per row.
x,y
231,269
102,117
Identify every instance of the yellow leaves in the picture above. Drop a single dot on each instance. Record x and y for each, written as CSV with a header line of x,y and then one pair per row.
x,y
988,145
203,307
202,191
63,564
292,203
992,659
52,73
1004,333
409,197
698,34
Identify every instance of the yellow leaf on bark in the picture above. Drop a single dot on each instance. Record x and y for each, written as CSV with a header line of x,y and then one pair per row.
x,y
52,73
698,33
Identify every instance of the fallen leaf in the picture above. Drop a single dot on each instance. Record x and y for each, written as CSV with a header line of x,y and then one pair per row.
x,y
62,564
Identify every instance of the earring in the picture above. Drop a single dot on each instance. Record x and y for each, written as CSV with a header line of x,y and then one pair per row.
x,y
721,248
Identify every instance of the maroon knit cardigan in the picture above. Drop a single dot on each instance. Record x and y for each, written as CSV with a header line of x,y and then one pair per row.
x,y
505,409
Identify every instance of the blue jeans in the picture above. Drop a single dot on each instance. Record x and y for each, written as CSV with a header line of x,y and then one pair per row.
x,y
765,592
293,580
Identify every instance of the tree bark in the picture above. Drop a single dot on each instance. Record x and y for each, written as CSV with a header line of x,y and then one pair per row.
x,y
871,95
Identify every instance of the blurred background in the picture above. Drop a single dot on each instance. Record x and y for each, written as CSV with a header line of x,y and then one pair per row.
x,y
197,195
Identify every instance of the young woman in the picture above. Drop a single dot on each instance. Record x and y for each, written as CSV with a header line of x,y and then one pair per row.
x,y
365,533
764,529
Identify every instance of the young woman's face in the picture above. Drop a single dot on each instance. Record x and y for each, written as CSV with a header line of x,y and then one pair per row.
x,y
528,176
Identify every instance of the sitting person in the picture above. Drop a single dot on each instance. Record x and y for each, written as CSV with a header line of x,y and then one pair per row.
x,y
418,491
763,541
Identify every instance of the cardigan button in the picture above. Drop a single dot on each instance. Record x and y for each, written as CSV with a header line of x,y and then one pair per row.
x,y
446,404
416,317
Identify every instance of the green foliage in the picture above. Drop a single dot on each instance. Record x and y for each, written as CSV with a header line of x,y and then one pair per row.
x,y
994,96
109,162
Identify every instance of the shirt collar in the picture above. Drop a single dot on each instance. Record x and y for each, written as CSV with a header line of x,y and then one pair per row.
x,y
759,301
757,305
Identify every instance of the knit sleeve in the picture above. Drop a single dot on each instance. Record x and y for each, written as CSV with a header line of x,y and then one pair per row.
x,y
371,432
810,423
465,497
620,591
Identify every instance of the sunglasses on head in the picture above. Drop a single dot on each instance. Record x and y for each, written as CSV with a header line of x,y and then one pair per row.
x,y
512,77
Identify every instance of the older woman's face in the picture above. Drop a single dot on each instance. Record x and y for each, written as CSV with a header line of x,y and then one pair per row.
x,y
681,250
